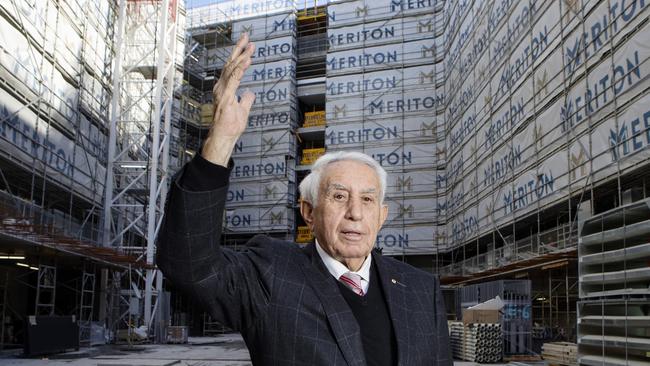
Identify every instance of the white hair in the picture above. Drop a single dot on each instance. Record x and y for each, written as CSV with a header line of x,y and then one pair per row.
x,y
311,183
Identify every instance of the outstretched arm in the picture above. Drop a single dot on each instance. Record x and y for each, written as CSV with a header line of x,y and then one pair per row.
x,y
232,286
230,112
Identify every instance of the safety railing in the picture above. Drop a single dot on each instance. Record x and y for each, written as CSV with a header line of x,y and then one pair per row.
x,y
557,239
21,217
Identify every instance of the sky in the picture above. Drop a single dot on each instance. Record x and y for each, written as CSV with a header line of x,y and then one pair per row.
x,y
196,3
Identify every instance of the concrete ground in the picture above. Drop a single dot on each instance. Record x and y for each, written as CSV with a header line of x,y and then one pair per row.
x,y
223,350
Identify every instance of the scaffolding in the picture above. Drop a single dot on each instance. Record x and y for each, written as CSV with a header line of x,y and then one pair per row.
x,y
535,235
55,82
40,253
478,237
59,75
94,123
593,177
145,73
86,303
261,202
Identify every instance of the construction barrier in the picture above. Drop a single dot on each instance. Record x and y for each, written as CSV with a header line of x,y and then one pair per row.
x,y
304,235
309,156
313,119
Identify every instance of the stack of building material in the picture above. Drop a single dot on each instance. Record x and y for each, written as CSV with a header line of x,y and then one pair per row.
x,y
560,353
515,318
482,343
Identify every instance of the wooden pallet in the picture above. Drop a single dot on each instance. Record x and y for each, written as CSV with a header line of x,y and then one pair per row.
x,y
560,353
521,358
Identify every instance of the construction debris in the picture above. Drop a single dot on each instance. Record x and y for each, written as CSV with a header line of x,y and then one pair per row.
x,y
482,343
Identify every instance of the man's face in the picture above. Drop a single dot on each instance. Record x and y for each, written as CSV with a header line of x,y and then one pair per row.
x,y
348,214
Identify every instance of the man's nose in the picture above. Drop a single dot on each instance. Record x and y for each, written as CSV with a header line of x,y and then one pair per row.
x,y
354,213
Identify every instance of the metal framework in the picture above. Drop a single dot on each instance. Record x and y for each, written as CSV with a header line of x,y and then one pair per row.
x,y
86,303
140,124
36,185
45,290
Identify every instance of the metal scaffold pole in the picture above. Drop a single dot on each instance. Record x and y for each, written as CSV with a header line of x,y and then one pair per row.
x,y
112,136
136,186
163,101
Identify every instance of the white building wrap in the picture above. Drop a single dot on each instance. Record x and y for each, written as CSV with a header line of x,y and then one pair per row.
x,y
261,195
383,97
514,147
483,113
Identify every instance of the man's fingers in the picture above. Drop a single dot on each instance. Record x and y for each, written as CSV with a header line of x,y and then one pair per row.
x,y
239,47
244,57
216,90
241,62
238,58
247,100
233,81
232,74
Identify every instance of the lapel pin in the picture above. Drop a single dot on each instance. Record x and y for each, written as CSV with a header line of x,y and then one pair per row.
x,y
394,281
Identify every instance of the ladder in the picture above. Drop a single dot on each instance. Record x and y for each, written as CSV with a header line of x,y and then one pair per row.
x,y
115,306
86,303
46,290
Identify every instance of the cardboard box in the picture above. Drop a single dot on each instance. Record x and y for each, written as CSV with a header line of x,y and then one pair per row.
x,y
177,334
480,316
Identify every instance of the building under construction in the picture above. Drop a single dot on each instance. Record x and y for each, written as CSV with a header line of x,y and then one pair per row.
x,y
515,136
87,104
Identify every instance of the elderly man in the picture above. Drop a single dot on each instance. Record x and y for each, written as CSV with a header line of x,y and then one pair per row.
x,y
334,302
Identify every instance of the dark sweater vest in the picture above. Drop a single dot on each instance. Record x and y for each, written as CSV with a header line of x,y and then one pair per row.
x,y
371,311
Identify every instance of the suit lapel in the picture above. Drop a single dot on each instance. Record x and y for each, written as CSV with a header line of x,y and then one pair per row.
x,y
395,292
340,317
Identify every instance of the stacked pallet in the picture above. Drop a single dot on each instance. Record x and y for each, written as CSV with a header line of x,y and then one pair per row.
x,y
560,353
482,343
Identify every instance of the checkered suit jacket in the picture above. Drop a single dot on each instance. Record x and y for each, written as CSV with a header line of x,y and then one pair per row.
x,y
281,297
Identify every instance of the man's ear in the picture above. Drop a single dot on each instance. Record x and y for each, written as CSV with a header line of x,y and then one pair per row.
x,y
383,215
307,212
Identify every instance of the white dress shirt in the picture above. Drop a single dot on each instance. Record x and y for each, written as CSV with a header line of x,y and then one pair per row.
x,y
337,268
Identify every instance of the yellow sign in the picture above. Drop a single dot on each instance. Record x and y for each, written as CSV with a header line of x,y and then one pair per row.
x,y
304,235
309,156
206,114
314,119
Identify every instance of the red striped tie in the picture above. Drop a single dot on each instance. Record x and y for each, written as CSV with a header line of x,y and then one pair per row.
x,y
353,282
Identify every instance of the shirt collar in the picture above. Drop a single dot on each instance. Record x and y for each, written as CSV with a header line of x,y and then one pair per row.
x,y
337,268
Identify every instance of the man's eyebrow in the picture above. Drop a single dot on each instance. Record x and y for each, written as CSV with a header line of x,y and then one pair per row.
x,y
336,186
340,186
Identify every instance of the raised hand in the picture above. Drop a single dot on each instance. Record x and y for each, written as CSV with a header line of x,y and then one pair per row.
x,y
230,112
